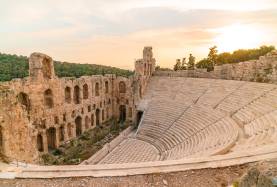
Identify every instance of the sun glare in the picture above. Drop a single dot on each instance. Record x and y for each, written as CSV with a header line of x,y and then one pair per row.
x,y
238,36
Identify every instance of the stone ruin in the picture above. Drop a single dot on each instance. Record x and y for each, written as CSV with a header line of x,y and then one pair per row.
x,y
42,111
262,70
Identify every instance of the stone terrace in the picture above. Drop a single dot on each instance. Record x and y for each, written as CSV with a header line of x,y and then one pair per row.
x,y
189,117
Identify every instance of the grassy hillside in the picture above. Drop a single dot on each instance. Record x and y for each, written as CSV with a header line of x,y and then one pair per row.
x,y
13,66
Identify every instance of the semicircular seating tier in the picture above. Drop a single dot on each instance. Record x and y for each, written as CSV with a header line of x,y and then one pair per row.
x,y
194,117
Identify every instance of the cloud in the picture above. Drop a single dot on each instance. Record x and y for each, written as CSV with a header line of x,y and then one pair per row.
x,y
114,32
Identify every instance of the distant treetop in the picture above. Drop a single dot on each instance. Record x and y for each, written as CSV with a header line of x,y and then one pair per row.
x,y
237,56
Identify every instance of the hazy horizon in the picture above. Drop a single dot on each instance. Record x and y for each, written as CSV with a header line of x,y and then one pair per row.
x,y
114,33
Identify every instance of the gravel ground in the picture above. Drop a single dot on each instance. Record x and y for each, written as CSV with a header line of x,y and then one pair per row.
x,y
194,178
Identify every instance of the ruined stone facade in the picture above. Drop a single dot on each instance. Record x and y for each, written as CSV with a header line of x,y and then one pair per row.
x,y
262,70
144,69
42,111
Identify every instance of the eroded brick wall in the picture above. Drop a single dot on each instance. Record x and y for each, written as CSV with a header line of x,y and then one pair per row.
x,y
42,111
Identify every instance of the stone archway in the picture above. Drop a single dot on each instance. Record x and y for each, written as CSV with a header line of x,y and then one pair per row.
x,y
139,116
78,124
97,117
51,138
85,91
97,88
40,143
61,136
67,94
122,114
24,100
48,98
122,87
76,95
106,87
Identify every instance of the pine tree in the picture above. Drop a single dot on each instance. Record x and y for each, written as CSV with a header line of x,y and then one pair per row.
x,y
212,58
184,64
191,62
177,66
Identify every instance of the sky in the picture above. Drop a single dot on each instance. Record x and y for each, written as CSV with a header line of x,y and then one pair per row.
x,y
114,32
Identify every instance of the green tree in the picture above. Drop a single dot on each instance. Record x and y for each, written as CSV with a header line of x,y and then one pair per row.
x,y
212,58
191,62
13,66
177,66
203,64
223,58
184,64
239,55
158,68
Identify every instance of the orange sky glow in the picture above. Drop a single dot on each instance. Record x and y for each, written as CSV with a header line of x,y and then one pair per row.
x,y
114,33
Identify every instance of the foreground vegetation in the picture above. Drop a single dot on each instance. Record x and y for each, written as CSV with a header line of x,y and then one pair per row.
x,y
83,147
215,58
13,66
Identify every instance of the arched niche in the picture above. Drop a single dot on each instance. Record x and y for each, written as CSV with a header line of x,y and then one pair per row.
x,y
48,98
122,87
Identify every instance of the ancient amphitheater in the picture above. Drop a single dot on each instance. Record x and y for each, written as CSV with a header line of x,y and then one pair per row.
x,y
182,120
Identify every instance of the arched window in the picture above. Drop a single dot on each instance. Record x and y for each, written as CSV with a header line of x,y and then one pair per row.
x,y
39,143
106,87
122,116
48,98
122,87
97,116
97,89
61,133
85,91
67,94
76,95
24,100
78,124
51,138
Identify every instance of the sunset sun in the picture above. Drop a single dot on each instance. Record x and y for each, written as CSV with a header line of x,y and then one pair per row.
x,y
237,36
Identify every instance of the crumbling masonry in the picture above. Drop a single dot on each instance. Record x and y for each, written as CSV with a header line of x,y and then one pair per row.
x,y
42,111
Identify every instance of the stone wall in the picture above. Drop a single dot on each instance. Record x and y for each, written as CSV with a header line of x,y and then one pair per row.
x,y
42,111
262,70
